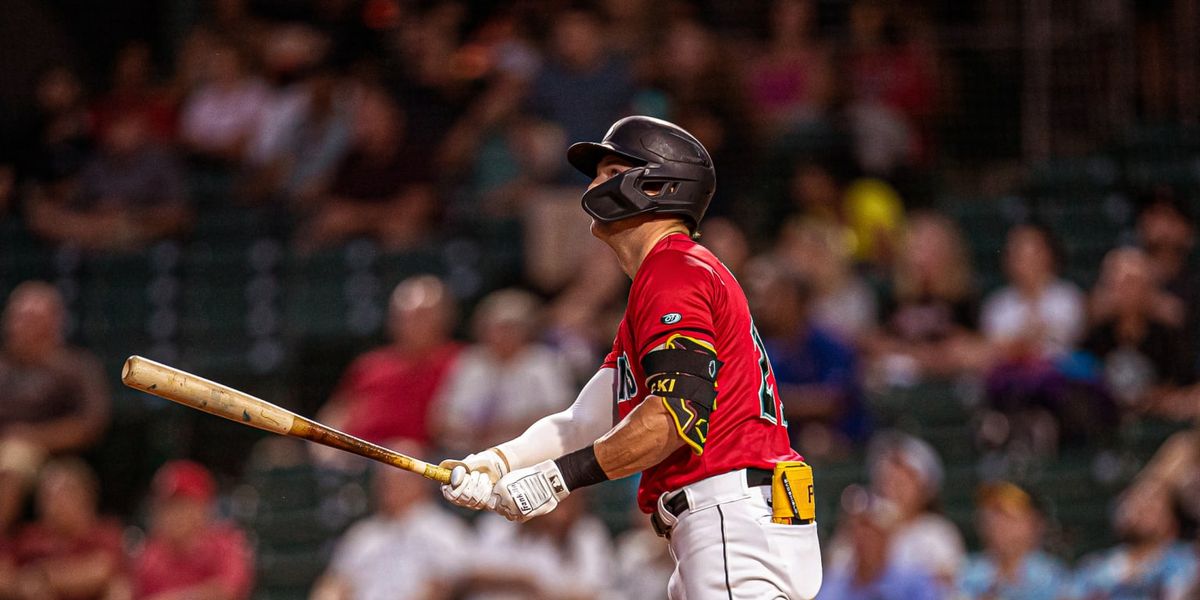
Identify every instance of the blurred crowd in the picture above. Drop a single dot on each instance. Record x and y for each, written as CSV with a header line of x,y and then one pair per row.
x,y
407,122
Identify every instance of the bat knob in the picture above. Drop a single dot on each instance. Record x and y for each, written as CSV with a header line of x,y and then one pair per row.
x,y
457,475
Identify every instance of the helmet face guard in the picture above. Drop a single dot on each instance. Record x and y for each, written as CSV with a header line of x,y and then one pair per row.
x,y
618,198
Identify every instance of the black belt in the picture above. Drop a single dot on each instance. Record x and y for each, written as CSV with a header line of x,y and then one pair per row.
x,y
679,502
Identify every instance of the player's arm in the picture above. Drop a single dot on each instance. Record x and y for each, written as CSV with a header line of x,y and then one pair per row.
x,y
589,417
681,375
644,438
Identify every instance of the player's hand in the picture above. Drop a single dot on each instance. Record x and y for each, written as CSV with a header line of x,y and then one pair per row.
x,y
475,490
530,492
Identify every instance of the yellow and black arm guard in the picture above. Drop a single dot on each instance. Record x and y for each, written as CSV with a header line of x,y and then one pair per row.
x,y
683,372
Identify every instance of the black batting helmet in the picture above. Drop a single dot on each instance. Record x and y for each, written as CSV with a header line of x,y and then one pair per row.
x,y
672,172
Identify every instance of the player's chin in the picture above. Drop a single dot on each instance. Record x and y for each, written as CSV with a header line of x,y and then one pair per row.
x,y
598,229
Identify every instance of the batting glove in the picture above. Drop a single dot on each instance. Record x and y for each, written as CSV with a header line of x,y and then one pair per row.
x,y
475,490
530,492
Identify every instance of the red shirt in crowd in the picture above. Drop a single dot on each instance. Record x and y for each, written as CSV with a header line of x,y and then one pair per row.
x,y
681,288
36,543
390,392
220,554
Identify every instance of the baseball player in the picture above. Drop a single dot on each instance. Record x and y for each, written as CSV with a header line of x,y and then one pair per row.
x,y
687,396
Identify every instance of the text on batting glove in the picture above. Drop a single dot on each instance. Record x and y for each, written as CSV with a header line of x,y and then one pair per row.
x,y
530,492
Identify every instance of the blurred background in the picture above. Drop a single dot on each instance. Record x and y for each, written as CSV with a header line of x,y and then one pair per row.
x,y
966,228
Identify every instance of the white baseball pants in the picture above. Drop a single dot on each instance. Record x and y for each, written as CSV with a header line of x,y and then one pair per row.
x,y
726,547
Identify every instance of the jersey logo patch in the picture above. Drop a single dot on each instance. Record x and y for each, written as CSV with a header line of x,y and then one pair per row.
x,y
671,318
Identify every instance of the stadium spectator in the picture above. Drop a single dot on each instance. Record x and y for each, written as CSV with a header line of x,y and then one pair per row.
x,y
815,370
53,397
1166,231
874,573
1038,315
379,190
643,561
387,393
842,302
1033,324
906,474
1012,565
188,552
1137,333
869,211
780,82
693,71
888,65
728,242
303,139
133,92
130,193
580,66
567,555
505,381
1151,562
582,317
220,117
410,547
62,135
930,316
291,54
70,552
1176,466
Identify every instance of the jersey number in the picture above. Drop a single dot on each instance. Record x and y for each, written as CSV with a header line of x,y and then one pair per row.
x,y
767,397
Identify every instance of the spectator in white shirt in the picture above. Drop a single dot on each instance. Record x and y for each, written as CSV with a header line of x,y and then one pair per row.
x,y
409,548
906,475
505,381
566,554
1032,326
220,119
1038,314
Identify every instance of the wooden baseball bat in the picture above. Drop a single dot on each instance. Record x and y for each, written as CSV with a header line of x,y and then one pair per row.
x,y
223,401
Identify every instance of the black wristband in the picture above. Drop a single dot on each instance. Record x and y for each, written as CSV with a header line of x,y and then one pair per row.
x,y
580,468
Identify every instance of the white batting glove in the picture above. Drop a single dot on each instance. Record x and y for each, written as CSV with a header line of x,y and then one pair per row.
x,y
530,492
475,490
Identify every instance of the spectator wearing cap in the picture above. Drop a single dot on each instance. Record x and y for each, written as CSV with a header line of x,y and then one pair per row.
x,y
53,397
1012,565
506,380
875,573
70,552
189,553
1150,562
366,563
906,473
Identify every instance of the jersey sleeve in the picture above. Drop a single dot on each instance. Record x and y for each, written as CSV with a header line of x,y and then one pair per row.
x,y
676,297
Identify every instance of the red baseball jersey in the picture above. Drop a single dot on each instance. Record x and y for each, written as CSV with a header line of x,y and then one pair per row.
x,y
681,288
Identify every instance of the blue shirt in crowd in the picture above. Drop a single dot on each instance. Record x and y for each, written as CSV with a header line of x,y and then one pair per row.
x,y
819,357
1104,577
1041,577
894,584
